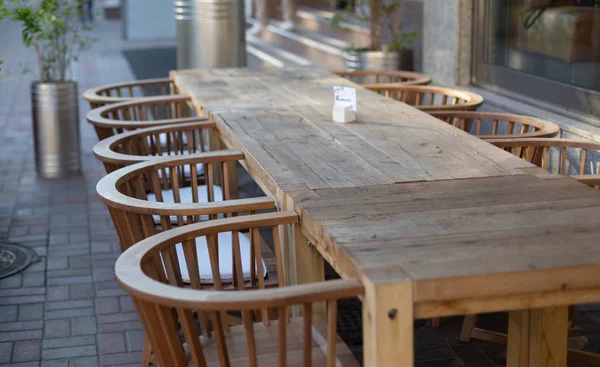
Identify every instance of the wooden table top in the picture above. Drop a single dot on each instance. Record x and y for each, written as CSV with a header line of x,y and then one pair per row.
x,y
269,88
302,148
456,239
399,196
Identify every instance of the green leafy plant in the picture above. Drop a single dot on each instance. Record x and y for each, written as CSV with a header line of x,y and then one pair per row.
x,y
53,29
379,14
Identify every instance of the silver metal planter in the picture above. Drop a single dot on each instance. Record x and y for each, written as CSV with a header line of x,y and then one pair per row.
x,y
210,33
55,112
380,60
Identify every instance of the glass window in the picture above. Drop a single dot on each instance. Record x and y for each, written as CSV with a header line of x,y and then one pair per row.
x,y
540,48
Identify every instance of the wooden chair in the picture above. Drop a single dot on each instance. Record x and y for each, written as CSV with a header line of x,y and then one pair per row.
x,y
489,125
154,196
385,76
122,92
578,159
146,144
574,158
429,98
139,113
187,325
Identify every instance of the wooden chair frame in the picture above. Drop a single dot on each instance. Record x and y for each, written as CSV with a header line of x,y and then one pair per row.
x,y
125,193
503,125
143,145
423,97
123,92
165,307
385,76
536,151
139,113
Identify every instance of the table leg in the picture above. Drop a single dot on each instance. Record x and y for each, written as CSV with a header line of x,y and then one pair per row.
x,y
388,325
538,337
308,265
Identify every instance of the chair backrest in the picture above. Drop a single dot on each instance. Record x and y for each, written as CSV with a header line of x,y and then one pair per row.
x,y
166,306
146,144
429,98
153,196
122,92
385,76
142,112
575,158
489,125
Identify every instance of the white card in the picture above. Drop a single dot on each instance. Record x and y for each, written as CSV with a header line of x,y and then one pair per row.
x,y
344,96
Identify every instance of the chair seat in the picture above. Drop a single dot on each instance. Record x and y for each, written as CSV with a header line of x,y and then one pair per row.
x,y
225,259
267,345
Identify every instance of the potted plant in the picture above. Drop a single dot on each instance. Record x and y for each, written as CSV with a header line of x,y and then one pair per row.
x,y
54,30
382,16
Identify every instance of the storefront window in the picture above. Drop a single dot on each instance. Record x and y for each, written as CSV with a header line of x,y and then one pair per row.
x,y
541,49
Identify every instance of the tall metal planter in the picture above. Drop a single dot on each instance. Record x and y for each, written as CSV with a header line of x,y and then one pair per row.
x,y
55,112
380,60
210,34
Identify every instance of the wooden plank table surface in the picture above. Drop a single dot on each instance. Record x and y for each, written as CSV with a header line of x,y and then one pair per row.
x,y
434,221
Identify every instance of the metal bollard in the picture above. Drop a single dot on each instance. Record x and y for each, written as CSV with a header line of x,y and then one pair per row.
x,y
56,129
210,34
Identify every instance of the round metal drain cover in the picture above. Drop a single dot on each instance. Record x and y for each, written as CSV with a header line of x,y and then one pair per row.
x,y
15,258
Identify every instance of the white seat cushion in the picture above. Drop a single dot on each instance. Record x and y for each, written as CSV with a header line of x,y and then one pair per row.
x,y
225,259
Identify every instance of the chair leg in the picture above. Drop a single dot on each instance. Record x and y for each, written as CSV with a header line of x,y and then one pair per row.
x,y
146,352
435,322
467,327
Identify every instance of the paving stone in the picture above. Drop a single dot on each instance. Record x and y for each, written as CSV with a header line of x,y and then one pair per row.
x,y
80,262
83,326
111,343
20,335
120,359
26,364
104,274
107,305
135,340
127,304
57,293
82,291
21,300
31,312
31,291
26,351
69,273
13,281
56,363
6,352
73,341
9,313
22,325
63,314
51,306
85,362
58,353
120,326
57,328
86,279
120,317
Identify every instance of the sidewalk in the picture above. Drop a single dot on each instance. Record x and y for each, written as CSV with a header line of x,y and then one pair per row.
x,y
68,310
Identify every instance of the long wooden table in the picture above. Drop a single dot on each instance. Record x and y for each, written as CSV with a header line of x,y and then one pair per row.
x,y
434,221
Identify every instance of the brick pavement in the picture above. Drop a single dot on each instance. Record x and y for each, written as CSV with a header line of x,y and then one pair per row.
x,y
67,310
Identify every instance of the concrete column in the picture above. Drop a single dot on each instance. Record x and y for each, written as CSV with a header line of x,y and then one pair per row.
x,y
447,33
